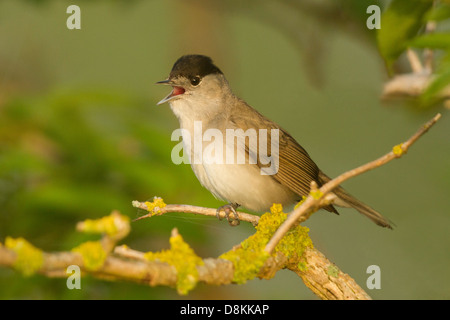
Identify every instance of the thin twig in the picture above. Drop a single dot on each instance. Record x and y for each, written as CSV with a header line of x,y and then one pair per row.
x,y
253,219
311,203
408,85
414,61
428,54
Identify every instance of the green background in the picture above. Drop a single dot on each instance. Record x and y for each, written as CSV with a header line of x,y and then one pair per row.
x,y
81,135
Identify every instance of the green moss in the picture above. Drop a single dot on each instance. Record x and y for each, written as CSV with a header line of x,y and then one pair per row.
x,y
247,260
183,258
333,271
251,256
93,254
29,258
302,266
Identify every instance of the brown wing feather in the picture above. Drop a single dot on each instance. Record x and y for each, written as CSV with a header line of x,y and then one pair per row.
x,y
296,168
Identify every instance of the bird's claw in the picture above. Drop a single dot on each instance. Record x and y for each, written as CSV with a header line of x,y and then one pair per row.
x,y
228,209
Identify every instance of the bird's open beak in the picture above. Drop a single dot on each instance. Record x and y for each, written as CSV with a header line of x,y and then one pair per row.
x,y
167,81
175,92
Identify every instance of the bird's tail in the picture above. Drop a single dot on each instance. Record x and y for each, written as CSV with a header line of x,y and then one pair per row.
x,y
350,201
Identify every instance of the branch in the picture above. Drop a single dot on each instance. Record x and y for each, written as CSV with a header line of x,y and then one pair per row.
x,y
316,199
317,276
428,53
114,268
163,208
414,61
103,260
413,85
125,264
327,281
324,278
321,275
409,85
179,267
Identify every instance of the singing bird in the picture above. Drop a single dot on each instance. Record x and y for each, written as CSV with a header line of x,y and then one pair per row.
x,y
202,94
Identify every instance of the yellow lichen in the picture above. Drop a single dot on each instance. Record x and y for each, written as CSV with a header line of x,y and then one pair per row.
x,y
92,253
251,256
183,258
155,206
398,150
247,259
316,194
110,225
300,202
29,258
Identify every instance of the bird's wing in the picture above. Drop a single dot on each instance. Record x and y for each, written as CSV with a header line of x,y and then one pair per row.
x,y
296,169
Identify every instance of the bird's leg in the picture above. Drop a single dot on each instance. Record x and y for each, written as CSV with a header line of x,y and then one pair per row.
x,y
229,208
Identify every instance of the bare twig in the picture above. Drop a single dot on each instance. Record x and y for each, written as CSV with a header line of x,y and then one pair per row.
x,y
428,54
414,61
412,85
311,203
253,219
407,85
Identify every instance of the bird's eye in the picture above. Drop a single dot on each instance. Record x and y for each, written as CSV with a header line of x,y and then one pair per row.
x,y
195,80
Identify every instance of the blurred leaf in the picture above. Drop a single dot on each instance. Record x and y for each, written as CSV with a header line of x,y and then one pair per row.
x,y
400,23
439,13
432,41
442,80
74,154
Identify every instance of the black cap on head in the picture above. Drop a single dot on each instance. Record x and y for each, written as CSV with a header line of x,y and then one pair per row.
x,y
193,65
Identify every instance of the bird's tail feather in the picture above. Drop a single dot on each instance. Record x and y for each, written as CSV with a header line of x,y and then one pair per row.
x,y
356,204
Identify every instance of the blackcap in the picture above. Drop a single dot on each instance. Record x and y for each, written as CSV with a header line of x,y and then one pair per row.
x,y
239,155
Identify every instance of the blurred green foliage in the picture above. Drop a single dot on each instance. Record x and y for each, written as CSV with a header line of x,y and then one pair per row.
x,y
400,22
75,152
70,155
405,26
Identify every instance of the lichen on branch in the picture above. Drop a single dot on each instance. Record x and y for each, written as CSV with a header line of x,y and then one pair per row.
x,y
183,258
29,259
249,257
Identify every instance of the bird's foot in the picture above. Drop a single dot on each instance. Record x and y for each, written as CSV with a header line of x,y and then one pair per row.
x,y
228,209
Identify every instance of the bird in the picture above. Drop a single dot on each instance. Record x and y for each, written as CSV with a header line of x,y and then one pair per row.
x,y
202,97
